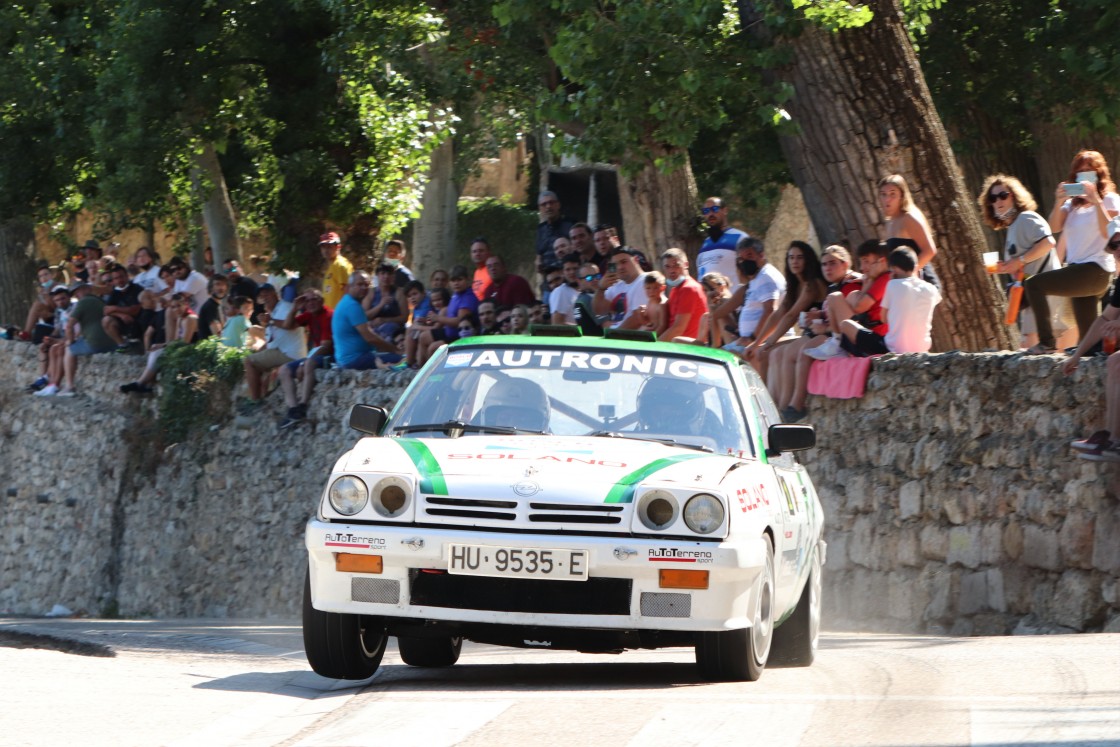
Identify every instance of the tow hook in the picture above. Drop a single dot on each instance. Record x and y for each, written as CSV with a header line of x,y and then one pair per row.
x,y
413,543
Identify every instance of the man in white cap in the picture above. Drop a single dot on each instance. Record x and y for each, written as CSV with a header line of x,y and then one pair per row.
x,y
1104,445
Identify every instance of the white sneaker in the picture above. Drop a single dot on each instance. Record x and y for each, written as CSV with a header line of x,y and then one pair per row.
x,y
48,391
67,393
830,349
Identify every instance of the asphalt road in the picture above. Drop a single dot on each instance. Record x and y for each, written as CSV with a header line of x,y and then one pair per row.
x,y
87,682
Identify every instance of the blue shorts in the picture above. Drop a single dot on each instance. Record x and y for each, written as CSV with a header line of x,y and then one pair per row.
x,y
293,367
369,360
81,347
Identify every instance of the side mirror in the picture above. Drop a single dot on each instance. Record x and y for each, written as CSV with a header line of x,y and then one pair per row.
x,y
368,419
790,437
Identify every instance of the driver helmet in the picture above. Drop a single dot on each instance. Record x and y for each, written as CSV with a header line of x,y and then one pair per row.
x,y
516,403
671,406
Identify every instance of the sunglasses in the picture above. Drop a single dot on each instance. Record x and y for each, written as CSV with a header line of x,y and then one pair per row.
x,y
999,196
712,209
589,278
1114,245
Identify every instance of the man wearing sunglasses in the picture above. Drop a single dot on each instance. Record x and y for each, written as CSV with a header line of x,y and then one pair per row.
x,y
717,253
1104,445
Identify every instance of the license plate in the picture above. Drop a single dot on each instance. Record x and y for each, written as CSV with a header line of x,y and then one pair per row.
x,y
517,562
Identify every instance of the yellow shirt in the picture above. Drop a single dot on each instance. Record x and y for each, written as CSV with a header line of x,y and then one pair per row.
x,y
335,281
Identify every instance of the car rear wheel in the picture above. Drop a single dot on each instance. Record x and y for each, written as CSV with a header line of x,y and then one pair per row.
x,y
796,640
738,655
430,652
343,647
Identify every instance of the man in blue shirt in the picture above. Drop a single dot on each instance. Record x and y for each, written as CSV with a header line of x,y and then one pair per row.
x,y
717,253
356,346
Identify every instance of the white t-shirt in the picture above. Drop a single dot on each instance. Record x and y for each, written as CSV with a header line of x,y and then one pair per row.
x,y
562,300
910,302
635,294
768,285
1084,242
150,280
290,342
195,284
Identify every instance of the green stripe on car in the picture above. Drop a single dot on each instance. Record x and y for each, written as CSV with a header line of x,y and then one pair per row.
x,y
623,490
432,481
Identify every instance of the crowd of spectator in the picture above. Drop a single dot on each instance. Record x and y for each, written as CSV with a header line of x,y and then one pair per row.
x,y
779,319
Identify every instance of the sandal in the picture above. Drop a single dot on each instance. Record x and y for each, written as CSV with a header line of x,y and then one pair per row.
x,y
1040,349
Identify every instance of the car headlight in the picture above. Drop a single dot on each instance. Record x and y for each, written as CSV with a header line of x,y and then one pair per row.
x,y
658,509
703,513
391,496
348,495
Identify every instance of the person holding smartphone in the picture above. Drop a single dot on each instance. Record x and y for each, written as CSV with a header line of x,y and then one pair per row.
x,y
1083,206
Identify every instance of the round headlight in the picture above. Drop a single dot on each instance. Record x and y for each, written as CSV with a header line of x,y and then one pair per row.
x,y
391,495
658,509
348,495
703,513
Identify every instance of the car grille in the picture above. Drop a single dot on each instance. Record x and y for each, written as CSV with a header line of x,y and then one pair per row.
x,y
439,509
595,596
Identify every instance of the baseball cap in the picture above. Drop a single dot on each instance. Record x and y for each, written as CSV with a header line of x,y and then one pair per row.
x,y
330,238
60,289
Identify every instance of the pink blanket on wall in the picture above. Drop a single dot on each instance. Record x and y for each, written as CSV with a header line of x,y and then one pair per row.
x,y
839,378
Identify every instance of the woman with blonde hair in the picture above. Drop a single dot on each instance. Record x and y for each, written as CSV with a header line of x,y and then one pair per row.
x,y
903,218
1029,246
1084,204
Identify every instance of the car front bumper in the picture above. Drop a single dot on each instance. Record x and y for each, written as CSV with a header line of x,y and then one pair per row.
x,y
623,590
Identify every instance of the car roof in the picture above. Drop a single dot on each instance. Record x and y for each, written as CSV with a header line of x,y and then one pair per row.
x,y
716,355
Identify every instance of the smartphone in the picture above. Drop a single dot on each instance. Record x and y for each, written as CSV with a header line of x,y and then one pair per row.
x,y
1087,176
1074,190
611,267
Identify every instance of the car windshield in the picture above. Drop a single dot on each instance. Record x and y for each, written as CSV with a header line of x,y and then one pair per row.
x,y
570,391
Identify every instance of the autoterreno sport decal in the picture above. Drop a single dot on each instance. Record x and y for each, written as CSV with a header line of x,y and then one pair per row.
x,y
432,481
623,490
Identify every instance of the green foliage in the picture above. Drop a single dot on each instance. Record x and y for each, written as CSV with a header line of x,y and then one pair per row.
x,y
195,385
508,228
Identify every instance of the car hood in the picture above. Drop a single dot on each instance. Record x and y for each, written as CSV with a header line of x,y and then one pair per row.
x,y
546,467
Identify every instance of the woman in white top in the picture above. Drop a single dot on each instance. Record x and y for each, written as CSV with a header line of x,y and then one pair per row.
x,y
1082,217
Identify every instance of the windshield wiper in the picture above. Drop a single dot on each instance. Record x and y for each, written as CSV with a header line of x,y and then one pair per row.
x,y
666,441
456,428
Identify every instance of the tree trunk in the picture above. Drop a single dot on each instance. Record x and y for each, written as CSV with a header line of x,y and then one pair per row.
x,y
659,210
864,111
217,209
17,271
434,233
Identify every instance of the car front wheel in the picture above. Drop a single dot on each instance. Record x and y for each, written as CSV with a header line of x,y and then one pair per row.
x,y
429,652
339,646
795,641
738,655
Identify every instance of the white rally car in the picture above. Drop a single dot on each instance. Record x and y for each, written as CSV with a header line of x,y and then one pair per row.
x,y
575,493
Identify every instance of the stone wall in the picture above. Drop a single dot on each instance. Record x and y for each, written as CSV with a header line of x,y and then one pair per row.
x,y
952,498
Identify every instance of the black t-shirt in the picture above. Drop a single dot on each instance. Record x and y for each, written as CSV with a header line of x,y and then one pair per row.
x,y
127,296
211,311
244,287
1114,299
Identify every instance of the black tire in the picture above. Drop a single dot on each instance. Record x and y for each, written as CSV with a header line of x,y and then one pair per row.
x,y
796,640
342,647
741,655
430,652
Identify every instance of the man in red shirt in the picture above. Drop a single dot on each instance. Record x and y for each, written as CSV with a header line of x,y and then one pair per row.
x,y
311,313
687,302
506,289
